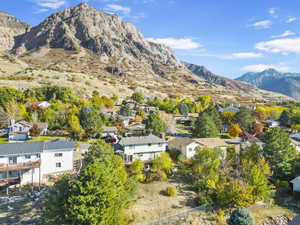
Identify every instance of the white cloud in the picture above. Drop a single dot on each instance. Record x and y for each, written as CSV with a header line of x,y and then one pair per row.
x,y
245,55
291,19
51,4
282,46
261,67
183,43
284,34
113,8
273,12
264,24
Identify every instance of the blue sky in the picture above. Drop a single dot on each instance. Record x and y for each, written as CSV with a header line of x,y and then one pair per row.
x,y
229,37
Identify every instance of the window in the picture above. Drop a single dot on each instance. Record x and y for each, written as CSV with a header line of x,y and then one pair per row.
x,y
27,156
141,155
160,144
58,155
38,155
149,145
58,164
131,146
191,149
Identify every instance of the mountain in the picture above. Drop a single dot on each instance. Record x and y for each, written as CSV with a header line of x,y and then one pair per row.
x,y
90,50
107,35
9,28
273,80
204,73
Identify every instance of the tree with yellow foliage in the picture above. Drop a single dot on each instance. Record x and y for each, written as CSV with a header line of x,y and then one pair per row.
x,y
235,130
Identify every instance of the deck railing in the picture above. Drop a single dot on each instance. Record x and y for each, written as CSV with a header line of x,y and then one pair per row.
x,y
19,166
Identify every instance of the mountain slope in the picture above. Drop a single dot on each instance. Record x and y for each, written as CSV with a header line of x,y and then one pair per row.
x,y
204,73
273,80
104,34
9,28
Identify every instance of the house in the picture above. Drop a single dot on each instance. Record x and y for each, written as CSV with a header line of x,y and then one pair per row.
x,y
135,129
295,139
272,123
33,162
296,184
126,120
145,148
229,109
109,131
187,146
41,104
20,131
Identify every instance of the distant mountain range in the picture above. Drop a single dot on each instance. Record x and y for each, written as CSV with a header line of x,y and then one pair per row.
x,y
273,80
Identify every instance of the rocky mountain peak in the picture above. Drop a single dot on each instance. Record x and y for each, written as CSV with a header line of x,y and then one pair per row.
x,y
9,28
84,27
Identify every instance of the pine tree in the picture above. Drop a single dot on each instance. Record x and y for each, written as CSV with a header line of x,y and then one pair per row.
x,y
240,216
205,127
280,153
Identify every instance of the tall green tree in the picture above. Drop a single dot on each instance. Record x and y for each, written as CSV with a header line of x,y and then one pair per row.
x,y
280,153
205,127
136,170
245,118
240,216
90,121
155,124
100,194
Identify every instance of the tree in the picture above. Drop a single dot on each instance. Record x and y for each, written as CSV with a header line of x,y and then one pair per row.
x,y
258,128
212,111
90,121
228,117
55,204
280,153
205,127
155,124
9,95
75,128
235,130
35,130
204,101
245,119
138,97
183,109
101,191
136,170
240,216
162,166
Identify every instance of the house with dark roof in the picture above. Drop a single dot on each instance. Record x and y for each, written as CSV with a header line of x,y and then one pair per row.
x,y
186,146
33,162
145,148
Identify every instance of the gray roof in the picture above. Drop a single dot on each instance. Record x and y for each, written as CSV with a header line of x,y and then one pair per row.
x,y
180,141
34,147
141,140
109,129
295,180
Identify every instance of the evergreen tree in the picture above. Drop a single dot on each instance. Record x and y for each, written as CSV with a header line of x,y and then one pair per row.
x,y
90,121
245,118
205,127
213,112
240,216
101,192
280,153
155,124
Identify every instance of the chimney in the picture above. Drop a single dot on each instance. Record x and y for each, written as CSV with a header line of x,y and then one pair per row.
x,y
12,122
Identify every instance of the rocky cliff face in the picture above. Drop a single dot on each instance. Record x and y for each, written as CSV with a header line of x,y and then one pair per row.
x,y
104,34
10,27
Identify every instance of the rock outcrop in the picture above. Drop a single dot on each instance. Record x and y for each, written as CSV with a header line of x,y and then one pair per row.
x,y
10,27
105,34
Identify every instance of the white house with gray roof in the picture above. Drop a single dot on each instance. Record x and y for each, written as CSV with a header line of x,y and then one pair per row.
x,y
145,148
33,162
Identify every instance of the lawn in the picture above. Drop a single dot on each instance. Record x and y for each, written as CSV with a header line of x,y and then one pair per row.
x,y
44,138
3,140
183,129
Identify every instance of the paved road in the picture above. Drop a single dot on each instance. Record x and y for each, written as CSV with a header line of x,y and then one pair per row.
x,y
295,221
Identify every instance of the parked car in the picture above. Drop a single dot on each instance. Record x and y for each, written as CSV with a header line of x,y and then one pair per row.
x,y
110,139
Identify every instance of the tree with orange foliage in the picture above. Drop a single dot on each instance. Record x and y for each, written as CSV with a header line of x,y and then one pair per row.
x,y
258,127
235,130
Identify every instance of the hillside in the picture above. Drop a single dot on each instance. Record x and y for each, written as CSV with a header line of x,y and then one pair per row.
x,y
93,50
273,80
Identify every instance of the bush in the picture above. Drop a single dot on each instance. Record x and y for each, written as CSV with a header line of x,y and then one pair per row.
x,y
240,216
282,184
171,191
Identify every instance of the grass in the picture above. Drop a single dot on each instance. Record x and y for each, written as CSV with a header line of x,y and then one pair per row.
x,y
183,129
3,140
44,138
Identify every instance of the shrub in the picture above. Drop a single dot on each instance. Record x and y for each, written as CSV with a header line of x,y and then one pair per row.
x,y
240,216
171,191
